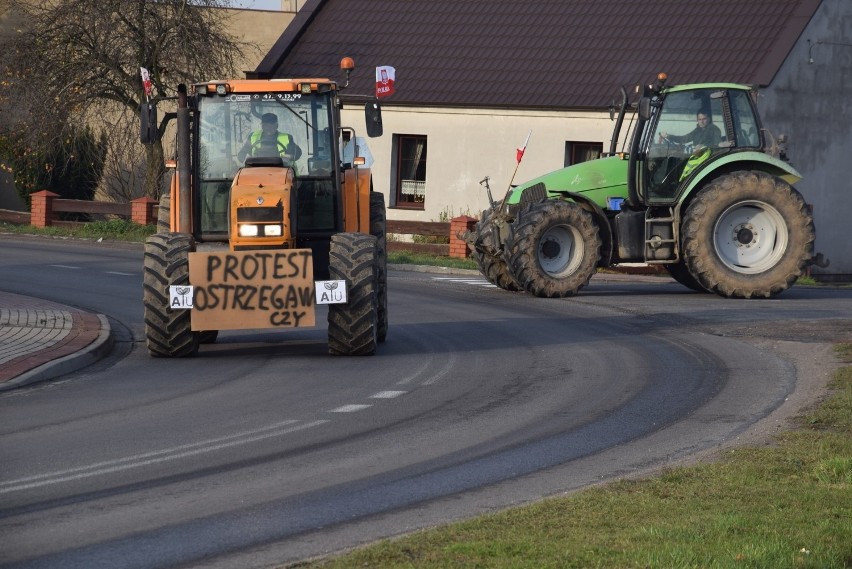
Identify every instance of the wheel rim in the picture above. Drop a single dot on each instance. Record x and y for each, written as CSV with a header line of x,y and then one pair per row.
x,y
750,237
560,250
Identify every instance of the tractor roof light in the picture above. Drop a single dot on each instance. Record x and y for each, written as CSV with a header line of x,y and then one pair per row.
x,y
347,64
305,88
221,88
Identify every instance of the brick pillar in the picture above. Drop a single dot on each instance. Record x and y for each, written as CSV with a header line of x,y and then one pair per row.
x,y
41,208
142,211
458,225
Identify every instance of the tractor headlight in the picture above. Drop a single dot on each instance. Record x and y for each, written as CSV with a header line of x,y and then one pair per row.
x,y
272,230
248,230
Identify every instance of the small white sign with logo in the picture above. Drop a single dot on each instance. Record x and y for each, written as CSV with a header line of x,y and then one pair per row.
x,y
180,297
331,292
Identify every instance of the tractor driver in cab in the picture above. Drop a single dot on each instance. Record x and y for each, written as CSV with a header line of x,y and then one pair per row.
x,y
704,135
268,141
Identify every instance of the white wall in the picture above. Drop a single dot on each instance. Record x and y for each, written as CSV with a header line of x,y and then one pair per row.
x,y
811,103
465,145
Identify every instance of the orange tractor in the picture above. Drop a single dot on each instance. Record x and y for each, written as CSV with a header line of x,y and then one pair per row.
x,y
270,191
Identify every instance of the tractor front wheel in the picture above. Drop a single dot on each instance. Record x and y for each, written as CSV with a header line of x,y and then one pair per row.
x,y
747,234
353,326
378,229
553,248
168,332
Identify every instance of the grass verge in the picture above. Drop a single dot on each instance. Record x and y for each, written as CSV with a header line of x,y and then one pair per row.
x,y
787,505
116,229
409,258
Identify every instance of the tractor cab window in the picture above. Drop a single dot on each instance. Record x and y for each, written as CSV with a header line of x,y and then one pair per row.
x,y
744,118
688,130
294,126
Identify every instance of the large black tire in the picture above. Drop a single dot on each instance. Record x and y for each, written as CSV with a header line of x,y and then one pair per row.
x,y
168,332
378,229
353,327
164,213
747,235
553,248
681,274
493,268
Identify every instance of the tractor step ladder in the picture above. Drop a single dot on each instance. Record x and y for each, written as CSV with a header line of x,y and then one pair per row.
x,y
661,236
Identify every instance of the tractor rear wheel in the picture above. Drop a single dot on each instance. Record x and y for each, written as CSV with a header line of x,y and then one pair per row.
x,y
168,332
553,248
493,268
353,326
378,229
748,234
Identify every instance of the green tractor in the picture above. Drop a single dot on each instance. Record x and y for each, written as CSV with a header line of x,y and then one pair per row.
x,y
713,204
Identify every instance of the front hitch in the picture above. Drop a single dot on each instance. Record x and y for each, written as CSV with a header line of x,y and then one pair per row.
x,y
490,234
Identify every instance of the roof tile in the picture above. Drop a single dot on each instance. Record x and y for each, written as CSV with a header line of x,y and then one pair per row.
x,y
576,52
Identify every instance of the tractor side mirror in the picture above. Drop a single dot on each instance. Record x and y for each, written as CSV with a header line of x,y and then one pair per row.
x,y
373,118
149,133
645,108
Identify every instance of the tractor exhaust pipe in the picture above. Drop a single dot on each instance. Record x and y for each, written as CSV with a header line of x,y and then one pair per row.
x,y
183,157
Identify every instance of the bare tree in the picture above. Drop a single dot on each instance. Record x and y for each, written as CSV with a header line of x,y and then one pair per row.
x,y
78,62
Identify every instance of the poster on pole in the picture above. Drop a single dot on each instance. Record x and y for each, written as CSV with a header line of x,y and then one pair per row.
x,y
385,78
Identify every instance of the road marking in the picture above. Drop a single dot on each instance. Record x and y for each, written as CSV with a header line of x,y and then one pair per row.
x,y
449,365
387,394
65,267
466,280
411,377
120,273
350,408
154,457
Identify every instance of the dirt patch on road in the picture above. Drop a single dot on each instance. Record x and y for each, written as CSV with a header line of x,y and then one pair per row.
x,y
794,331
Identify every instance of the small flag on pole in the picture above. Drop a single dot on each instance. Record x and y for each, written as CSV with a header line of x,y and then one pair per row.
x,y
385,77
522,149
146,82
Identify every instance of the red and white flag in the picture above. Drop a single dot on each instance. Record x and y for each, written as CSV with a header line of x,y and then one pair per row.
x,y
385,77
522,149
146,82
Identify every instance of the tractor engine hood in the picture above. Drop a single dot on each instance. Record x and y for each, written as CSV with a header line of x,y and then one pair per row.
x,y
597,179
260,207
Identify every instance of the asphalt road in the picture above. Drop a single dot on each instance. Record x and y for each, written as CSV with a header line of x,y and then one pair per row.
x,y
264,449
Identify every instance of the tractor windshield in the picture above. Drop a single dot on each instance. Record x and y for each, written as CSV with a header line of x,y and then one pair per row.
x,y
240,125
296,127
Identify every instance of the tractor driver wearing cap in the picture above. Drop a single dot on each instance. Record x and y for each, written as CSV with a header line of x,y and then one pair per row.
x,y
268,141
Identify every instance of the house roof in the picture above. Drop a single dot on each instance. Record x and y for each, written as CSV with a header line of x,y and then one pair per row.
x,y
537,53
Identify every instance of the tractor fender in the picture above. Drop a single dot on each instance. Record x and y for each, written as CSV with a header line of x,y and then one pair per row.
x,y
739,161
